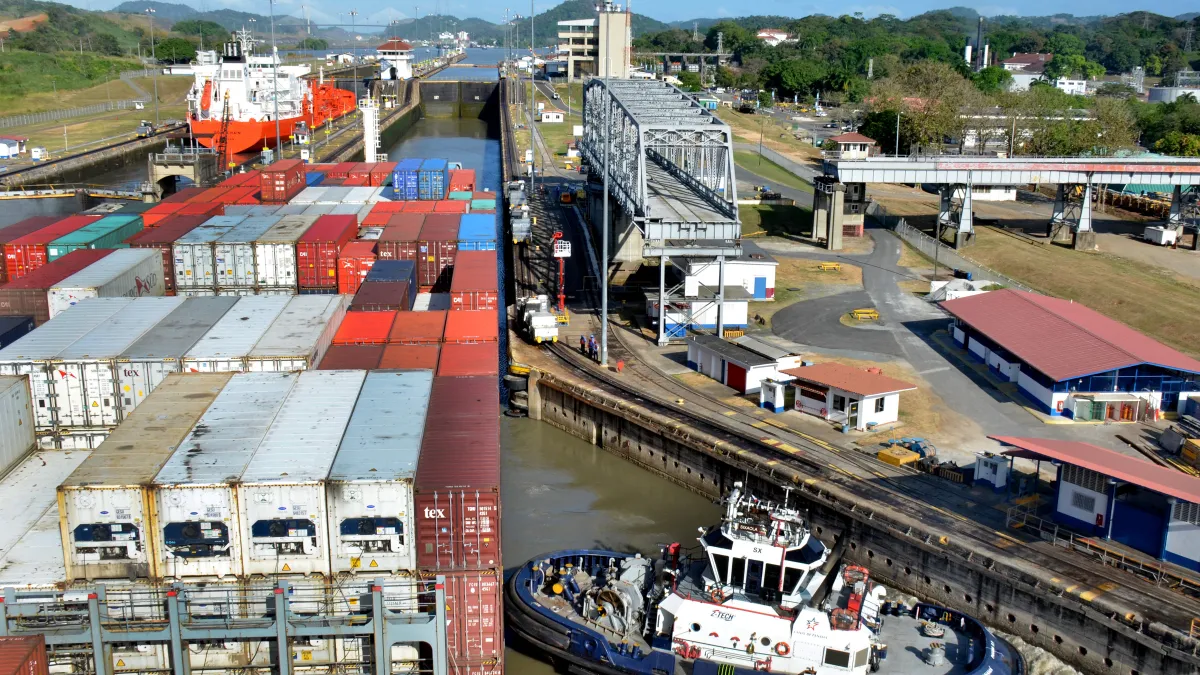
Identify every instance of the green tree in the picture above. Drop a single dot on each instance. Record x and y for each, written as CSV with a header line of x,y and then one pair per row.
x,y
175,50
725,77
930,97
1064,44
107,44
1154,65
1178,144
992,80
212,32
795,76
689,81
1116,90
313,43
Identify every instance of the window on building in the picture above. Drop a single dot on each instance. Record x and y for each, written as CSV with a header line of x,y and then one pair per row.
x,y
722,571
738,576
839,402
879,404
809,392
837,658
771,577
791,577
1083,501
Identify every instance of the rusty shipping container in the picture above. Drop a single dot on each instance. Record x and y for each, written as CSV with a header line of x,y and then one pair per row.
x,y
352,357
410,357
384,296
474,283
437,247
163,237
281,181
458,477
29,295
419,328
465,360
354,263
401,235
474,618
23,655
317,251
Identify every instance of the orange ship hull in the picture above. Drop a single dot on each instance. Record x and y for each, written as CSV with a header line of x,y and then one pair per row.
x,y
327,103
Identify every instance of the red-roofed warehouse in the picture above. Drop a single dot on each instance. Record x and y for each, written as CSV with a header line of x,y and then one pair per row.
x,y
1072,360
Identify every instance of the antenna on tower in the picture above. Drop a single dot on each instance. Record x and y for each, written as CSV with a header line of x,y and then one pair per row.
x,y
307,21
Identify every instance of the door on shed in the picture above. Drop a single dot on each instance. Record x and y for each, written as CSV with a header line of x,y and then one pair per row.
x,y
736,377
760,288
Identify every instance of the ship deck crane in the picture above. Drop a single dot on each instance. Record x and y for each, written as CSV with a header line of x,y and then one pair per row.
x,y
222,143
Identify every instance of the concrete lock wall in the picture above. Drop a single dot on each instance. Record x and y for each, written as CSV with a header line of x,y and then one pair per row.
x,y
458,99
1080,633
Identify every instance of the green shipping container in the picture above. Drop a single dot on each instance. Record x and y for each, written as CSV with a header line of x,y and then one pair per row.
x,y
461,196
483,204
108,232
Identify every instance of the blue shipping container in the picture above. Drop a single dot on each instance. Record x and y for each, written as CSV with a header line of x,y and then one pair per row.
x,y
311,179
405,180
477,232
394,270
14,327
433,179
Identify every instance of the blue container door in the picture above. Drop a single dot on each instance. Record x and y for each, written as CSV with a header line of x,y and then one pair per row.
x,y
760,288
1138,528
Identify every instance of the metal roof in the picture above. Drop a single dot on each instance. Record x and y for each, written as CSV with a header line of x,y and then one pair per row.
x,y
1060,338
848,378
383,438
978,170
122,329
731,351
762,348
1109,463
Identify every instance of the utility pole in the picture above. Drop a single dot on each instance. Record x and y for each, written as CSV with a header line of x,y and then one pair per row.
x,y
275,81
532,130
897,152
154,58
604,230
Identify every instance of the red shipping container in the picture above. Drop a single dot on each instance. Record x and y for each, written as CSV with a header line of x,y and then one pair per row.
x,y
25,254
340,170
20,229
383,296
184,195
355,260
202,209
459,360
209,195
28,296
419,207
240,179
473,325
376,218
457,485
410,357
161,237
462,180
155,214
483,195
356,181
317,250
388,207
399,240
451,206
351,357
418,328
320,167
365,328
475,621
251,198
473,282
23,655
361,170
436,249
382,173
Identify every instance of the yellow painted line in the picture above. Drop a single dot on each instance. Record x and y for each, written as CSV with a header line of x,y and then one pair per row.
x,y
879,474
810,481
776,423
759,425
1054,579
1088,596
729,413
770,441
838,469
1015,541
789,449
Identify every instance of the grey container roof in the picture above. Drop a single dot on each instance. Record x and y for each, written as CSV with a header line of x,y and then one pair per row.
x,y
383,438
299,326
52,337
113,336
219,447
287,230
249,229
304,438
291,209
210,230
240,329
180,330
108,268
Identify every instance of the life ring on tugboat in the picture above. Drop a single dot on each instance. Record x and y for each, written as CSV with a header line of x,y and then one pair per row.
x,y
716,596
782,648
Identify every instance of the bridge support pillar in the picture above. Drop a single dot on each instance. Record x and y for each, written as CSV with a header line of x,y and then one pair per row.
x,y
837,210
957,212
1175,217
829,203
966,219
1084,236
662,301
721,296
1058,226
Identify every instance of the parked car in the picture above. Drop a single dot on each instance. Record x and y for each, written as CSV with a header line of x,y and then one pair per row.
x,y
830,125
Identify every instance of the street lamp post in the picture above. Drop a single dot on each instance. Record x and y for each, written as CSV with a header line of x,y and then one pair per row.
x,y
275,80
154,58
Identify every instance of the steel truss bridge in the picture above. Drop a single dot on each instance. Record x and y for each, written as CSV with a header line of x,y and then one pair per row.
x,y
670,168
956,175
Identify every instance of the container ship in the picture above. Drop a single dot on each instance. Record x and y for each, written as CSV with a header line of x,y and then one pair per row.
x,y
242,83
255,425
759,594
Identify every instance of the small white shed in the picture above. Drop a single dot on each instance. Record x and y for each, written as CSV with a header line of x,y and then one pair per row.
x,y
730,364
552,117
859,399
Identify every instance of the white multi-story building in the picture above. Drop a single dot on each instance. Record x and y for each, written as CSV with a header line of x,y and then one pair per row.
x,y
774,37
598,47
1026,69
395,58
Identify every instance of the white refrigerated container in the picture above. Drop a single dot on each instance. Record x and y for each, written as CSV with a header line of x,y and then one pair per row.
x,y
16,422
104,505
32,353
275,253
127,272
233,255
158,353
226,346
195,273
281,496
87,389
369,491
309,195
197,531
301,335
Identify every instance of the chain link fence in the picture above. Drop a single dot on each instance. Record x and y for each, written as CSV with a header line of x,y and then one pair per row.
x,y
55,115
935,250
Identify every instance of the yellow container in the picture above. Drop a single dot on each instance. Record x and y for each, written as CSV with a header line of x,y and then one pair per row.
x,y
897,456
1191,451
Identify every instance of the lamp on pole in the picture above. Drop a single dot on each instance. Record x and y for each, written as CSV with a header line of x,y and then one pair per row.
x,y
252,22
154,58
607,28
275,80
532,131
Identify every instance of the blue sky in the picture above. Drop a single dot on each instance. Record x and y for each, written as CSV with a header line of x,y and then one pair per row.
x,y
382,11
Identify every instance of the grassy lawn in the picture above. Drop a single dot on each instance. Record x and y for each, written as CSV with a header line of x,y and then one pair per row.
x,y
575,90
775,135
794,275
775,174
32,82
1151,299
774,220
555,134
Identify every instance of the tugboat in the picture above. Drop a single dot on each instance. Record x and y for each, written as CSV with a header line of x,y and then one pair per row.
x,y
759,594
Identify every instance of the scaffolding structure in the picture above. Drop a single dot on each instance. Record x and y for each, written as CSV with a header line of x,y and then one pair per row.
x,y
670,169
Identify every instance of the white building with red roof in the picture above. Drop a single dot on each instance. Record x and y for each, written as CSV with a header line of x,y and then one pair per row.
x,y
1070,360
1025,69
860,399
853,145
774,36
395,57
